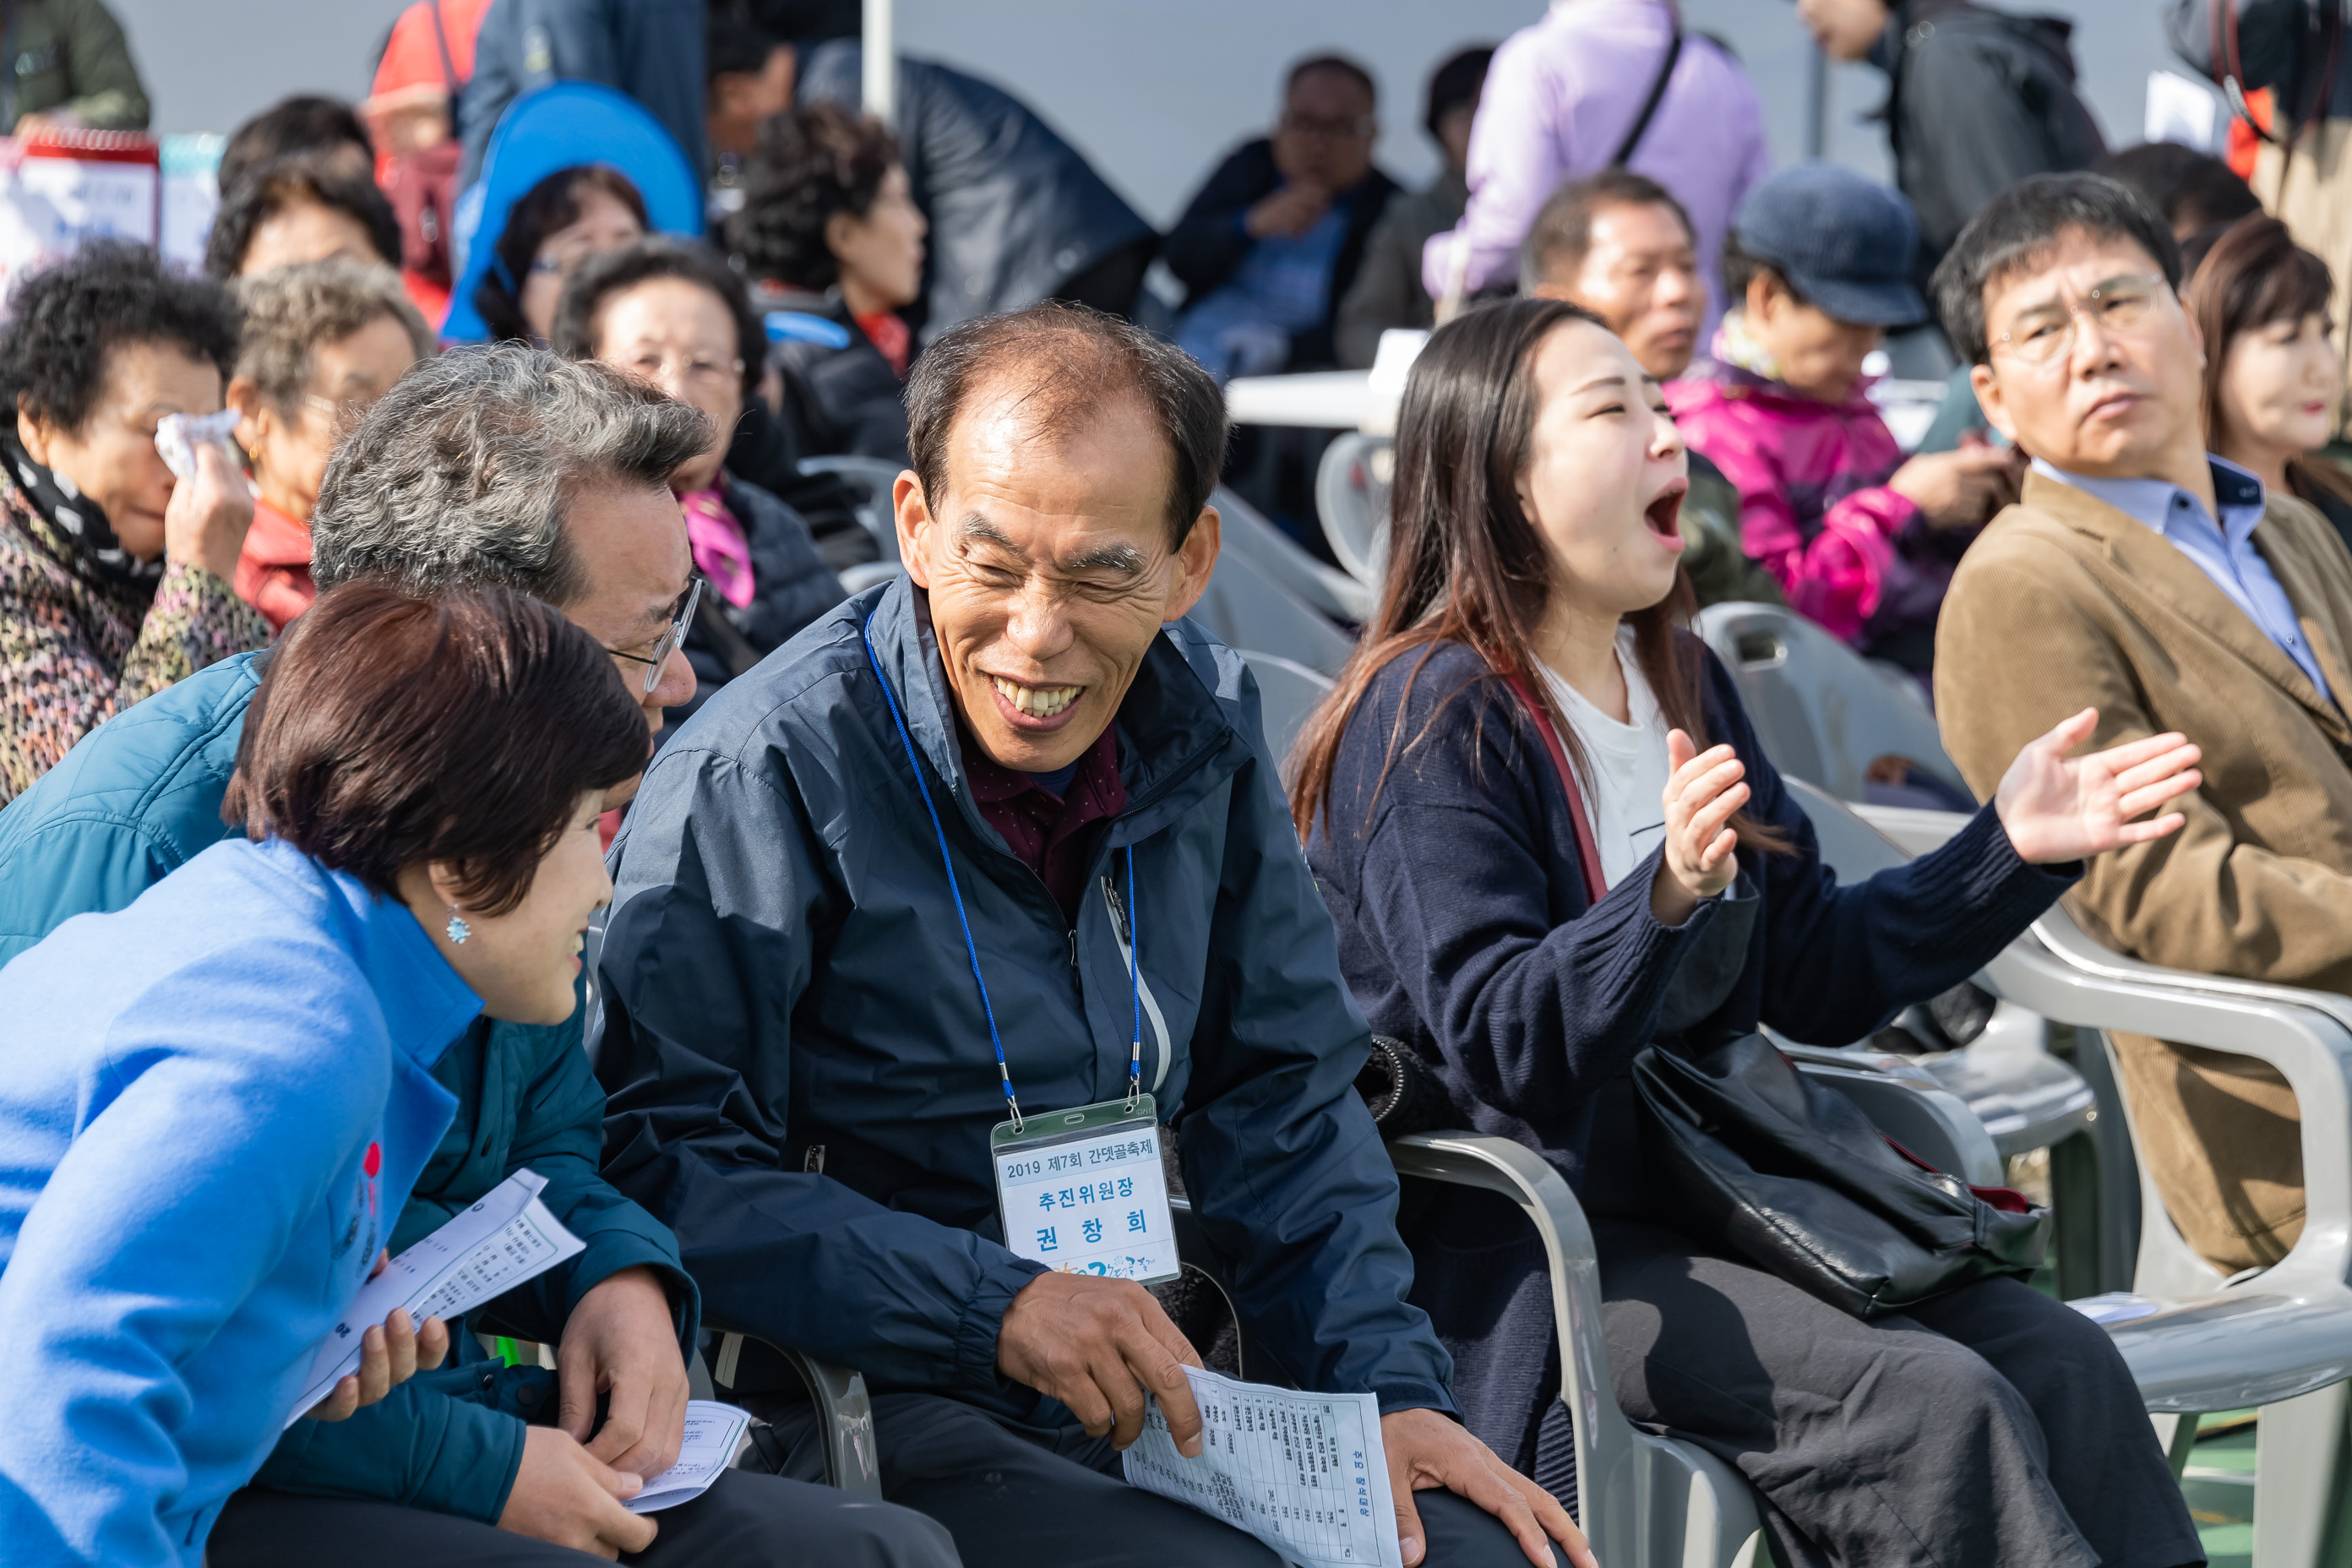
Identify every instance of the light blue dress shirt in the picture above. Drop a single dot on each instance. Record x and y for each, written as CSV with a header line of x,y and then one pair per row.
x,y
2224,552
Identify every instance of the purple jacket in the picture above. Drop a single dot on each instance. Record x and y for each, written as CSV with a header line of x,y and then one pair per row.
x,y
1558,99
1815,509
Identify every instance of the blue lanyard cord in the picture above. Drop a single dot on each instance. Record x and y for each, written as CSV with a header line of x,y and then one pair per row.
x,y
1134,989
971,950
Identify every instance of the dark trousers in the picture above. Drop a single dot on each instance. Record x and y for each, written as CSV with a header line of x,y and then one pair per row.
x,y
745,1521
1015,1495
1992,1425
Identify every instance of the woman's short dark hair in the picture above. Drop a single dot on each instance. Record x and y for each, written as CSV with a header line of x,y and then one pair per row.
x,y
2016,231
548,207
63,319
811,163
393,730
305,123
290,182
577,327
1070,363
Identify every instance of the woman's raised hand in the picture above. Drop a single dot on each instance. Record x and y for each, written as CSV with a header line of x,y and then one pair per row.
x,y
1704,791
2059,808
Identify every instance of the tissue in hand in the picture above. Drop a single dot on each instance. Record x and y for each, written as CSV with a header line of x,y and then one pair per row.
x,y
177,436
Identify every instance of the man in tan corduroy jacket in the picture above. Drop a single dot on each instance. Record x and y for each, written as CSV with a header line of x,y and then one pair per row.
x,y
2140,576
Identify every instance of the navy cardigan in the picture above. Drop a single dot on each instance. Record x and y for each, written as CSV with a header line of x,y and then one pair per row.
x,y
1464,929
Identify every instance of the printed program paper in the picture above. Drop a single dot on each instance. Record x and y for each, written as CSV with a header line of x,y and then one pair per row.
x,y
501,1241
1304,1473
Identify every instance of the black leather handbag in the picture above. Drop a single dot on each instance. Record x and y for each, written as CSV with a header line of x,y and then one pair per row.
x,y
1790,1175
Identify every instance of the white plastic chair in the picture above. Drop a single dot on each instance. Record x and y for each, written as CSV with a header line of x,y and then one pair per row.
x,y
1288,693
2281,1338
1351,498
1823,711
1269,594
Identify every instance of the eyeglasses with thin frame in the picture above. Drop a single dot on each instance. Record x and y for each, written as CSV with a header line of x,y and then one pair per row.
x,y
2044,335
671,637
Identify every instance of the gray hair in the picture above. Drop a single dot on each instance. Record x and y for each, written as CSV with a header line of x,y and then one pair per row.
x,y
460,476
290,311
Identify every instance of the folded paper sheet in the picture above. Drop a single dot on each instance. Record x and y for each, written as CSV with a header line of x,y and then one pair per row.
x,y
713,1434
500,1242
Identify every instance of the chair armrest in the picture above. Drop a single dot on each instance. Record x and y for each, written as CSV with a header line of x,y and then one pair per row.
x,y
844,1415
1501,1165
2062,974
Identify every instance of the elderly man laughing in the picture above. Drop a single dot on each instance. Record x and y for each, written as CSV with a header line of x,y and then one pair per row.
x,y
1001,839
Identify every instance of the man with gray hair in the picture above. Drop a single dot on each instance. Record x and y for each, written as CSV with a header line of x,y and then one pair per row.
x,y
513,467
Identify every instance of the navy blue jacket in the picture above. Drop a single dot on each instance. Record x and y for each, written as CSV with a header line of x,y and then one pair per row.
x,y
1464,929
800,1075
139,796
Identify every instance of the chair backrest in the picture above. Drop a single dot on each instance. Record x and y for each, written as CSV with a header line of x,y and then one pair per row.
x,y
1351,496
1823,711
1252,543
870,482
1288,693
1268,594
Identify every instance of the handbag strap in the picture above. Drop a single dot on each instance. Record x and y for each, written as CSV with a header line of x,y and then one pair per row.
x,y
1650,104
1588,852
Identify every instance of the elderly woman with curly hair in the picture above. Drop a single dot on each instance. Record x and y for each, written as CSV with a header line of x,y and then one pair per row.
x,y
322,342
115,578
674,312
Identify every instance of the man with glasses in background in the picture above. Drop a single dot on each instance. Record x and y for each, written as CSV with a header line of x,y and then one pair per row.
x,y
1270,244
515,467
2143,576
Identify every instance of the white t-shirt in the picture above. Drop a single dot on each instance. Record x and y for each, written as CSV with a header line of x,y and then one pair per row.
x,y
1625,798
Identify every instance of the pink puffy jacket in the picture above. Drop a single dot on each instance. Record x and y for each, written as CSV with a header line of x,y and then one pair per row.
x,y
1814,508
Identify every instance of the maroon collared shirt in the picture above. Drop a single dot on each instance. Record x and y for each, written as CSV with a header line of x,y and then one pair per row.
x,y
1044,828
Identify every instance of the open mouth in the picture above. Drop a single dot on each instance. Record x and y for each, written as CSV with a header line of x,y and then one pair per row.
x,y
1664,514
1038,702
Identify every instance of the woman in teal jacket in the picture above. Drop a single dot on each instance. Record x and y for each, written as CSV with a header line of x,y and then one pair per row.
x,y
217,1099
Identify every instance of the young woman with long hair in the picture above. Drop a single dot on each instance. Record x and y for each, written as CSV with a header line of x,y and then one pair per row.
x,y
1534,584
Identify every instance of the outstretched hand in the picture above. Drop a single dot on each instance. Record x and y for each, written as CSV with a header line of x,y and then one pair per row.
x,y
2058,808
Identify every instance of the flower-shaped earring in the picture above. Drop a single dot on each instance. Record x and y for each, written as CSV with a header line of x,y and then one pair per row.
x,y
457,931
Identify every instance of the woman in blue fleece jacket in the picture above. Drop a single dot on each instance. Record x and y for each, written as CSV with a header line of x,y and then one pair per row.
x,y
214,1102
1533,581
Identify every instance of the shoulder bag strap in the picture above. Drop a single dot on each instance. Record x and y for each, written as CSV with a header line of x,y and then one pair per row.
x,y
1588,852
1650,104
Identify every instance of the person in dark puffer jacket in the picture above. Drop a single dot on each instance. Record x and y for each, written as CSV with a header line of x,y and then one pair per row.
x,y
1535,589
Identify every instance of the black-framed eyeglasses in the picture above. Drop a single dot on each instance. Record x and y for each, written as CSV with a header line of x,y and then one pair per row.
x,y
670,638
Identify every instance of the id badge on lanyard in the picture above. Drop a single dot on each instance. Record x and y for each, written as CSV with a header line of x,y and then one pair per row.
x,y
1082,1191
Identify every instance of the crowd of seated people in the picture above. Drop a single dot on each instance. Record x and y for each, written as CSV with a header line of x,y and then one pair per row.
x,y
311,750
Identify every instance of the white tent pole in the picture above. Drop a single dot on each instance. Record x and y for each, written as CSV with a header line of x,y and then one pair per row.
x,y
881,63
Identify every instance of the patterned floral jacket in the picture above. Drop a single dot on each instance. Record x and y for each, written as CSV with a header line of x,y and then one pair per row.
x,y
75,649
